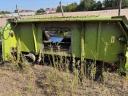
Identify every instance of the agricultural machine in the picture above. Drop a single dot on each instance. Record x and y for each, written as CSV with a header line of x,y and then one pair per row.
x,y
82,42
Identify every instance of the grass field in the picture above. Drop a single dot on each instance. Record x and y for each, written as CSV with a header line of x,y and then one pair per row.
x,y
44,80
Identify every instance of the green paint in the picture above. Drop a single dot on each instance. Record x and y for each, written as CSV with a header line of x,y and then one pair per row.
x,y
39,39
7,42
94,38
110,44
70,18
91,36
26,38
82,33
98,49
34,37
126,65
76,39
29,37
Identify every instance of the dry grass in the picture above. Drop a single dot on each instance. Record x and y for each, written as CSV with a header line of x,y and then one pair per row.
x,y
16,83
47,81
56,83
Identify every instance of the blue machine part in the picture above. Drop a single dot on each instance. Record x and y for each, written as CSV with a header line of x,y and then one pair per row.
x,y
56,39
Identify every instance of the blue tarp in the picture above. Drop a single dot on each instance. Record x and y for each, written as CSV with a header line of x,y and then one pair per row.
x,y
56,39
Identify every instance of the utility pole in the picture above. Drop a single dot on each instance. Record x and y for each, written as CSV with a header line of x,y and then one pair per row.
x,y
120,6
17,10
61,8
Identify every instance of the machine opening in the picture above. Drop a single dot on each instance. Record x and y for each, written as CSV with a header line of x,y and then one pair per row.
x,y
57,39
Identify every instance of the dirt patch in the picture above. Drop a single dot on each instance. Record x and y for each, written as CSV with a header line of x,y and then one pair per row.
x,y
67,84
47,81
101,13
3,21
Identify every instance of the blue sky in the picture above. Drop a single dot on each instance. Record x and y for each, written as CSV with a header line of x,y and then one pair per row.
x,y
32,4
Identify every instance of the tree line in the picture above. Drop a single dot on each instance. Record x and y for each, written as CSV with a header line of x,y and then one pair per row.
x,y
85,5
93,5
4,12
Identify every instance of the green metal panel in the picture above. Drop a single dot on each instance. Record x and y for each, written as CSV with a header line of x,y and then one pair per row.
x,y
39,38
29,37
7,42
82,41
92,37
76,39
61,19
102,41
110,46
34,30
91,33
25,35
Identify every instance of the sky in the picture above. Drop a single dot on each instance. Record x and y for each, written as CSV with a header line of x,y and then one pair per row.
x,y
10,5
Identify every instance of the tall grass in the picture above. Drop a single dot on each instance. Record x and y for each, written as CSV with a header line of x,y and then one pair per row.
x,y
60,81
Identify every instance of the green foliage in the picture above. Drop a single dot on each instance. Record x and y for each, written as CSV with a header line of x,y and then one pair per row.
x,y
4,12
59,9
69,8
87,5
81,6
92,5
40,11
112,4
125,3
97,6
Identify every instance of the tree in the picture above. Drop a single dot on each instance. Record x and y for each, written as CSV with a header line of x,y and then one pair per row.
x,y
40,11
69,8
86,5
5,12
81,6
89,4
59,8
124,3
112,4
108,3
97,6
